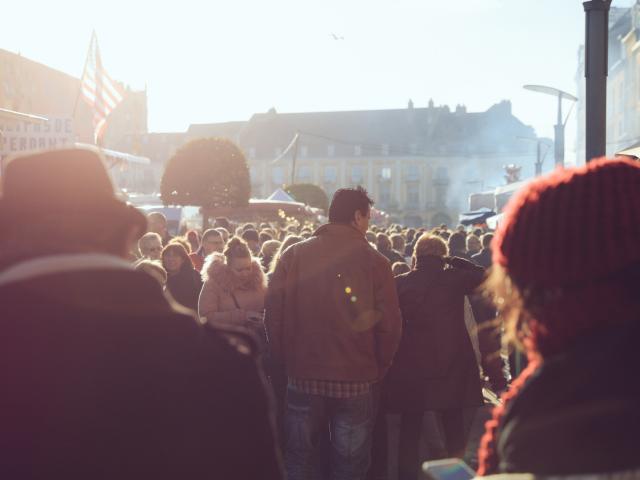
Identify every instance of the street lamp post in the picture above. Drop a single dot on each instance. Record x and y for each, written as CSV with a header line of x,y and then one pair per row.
x,y
595,71
559,127
539,155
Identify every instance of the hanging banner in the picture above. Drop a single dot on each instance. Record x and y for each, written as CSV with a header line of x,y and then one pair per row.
x,y
20,136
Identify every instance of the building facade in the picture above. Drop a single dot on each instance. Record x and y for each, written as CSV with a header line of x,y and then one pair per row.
x,y
419,164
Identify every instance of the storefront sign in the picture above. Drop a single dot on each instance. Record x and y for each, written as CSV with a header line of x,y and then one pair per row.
x,y
22,136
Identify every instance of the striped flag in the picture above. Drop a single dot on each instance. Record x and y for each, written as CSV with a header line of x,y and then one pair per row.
x,y
101,93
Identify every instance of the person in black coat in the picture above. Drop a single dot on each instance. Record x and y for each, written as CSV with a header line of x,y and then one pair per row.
x,y
435,367
101,376
183,280
483,257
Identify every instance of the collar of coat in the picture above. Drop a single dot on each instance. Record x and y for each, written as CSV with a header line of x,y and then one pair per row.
x,y
340,230
49,264
429,262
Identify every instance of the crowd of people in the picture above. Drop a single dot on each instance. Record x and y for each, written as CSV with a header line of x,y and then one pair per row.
x,y
288,350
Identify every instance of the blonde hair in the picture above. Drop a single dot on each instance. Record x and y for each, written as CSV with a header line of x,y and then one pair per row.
x,y
473,243
270,247
429,244
153,268
286,243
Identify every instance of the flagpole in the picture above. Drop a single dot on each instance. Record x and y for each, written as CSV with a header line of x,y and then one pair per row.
x,y
75,105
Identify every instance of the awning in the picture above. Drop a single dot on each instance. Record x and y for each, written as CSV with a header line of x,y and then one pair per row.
x,y
281,196
117,157
632,151
476,217
21,117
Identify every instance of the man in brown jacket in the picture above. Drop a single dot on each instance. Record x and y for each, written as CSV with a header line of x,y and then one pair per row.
x,y
333,320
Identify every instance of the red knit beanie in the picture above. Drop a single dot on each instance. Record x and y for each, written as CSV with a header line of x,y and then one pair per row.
x,y
572,226
562,236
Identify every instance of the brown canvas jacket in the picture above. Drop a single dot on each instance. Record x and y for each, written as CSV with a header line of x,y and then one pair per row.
x,y
332,309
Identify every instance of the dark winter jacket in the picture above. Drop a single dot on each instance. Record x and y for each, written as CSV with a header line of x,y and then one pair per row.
x,y
332,309
483,258
579,413
393,256
102,378
435,366
185,286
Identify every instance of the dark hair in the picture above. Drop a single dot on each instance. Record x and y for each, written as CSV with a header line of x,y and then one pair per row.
x,y
383,242
179,249
222,222
212,232
399,268
486,239
457,242
265,237
250,235
346,201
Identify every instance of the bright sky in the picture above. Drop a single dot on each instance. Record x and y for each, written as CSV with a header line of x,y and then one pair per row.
x,y
225,60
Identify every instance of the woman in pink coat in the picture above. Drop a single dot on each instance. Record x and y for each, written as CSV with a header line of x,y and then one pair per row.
x,y
234,287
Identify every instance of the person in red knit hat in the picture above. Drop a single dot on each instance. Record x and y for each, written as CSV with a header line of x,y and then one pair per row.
x,y
565,280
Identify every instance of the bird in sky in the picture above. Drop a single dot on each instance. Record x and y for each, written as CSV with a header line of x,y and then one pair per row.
x,y
336,37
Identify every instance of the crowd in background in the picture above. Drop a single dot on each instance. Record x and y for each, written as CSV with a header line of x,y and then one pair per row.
x,y
224,273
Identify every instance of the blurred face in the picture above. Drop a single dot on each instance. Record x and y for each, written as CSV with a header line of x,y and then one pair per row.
x,y
157,225
213,243
361,221
172,262
254,246
241,268
153,249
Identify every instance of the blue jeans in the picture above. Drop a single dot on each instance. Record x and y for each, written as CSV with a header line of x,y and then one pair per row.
x,y
345,423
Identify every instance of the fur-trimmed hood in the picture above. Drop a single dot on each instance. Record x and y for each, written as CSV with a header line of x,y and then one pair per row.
x,y
215,269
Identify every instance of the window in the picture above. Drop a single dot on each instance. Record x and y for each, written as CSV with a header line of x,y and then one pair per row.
x,y
304,173
385,194
357,174
330,174
385,173
442,173
357,150
331,150
277,175
412,173
413,195
254,174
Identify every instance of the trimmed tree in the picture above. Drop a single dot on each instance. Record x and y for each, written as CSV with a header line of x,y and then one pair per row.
x,y
309,194
208,173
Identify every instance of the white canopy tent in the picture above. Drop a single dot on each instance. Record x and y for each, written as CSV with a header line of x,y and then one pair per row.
x,y
281,196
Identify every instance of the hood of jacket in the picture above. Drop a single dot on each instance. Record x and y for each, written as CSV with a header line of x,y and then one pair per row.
x,y
216,270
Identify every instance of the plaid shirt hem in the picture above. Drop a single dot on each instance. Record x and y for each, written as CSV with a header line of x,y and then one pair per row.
x,y
329,388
